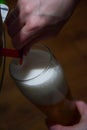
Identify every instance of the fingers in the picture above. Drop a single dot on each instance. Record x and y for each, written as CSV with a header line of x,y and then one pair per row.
x,y
82,108
25,33
59,127
15,27
12,16
56,127
42,34
26,40
28,35
32,29
23,37
14,22
82,125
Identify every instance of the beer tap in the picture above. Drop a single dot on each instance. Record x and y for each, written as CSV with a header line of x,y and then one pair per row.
x,y
5,52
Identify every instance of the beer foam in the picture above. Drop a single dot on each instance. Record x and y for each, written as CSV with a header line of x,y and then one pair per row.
x,y
40,78
33,65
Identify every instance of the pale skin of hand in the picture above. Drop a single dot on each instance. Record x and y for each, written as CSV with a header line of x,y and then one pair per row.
x,y
34,20
82,125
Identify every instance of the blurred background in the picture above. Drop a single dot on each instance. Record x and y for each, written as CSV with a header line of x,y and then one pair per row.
x,y
70,49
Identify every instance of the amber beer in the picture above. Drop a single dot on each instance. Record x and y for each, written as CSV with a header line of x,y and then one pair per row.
x,y
41,80
64,112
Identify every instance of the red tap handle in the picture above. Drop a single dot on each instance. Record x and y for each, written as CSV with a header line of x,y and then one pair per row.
x,y
10,53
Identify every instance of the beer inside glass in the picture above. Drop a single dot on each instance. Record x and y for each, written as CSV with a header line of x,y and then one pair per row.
x,y
41,80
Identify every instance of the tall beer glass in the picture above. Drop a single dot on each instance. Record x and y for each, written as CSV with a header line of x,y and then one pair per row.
x,y
41,80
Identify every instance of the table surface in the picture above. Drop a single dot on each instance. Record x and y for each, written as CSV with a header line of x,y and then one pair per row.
x,y
70,48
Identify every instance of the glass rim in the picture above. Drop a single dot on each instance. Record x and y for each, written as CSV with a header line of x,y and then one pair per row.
x,y
44,69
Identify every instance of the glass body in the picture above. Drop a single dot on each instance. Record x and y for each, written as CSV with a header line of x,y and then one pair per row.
x,y
41,80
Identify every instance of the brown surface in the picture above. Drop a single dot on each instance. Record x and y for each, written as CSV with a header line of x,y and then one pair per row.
x,y
70,48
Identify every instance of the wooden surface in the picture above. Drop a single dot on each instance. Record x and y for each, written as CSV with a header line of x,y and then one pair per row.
x,y
70,48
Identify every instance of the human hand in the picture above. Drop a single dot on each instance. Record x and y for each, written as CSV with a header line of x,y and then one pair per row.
x,y
34,20
82,125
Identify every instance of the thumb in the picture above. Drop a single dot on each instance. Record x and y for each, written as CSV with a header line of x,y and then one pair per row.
x,y
82,108
60,127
